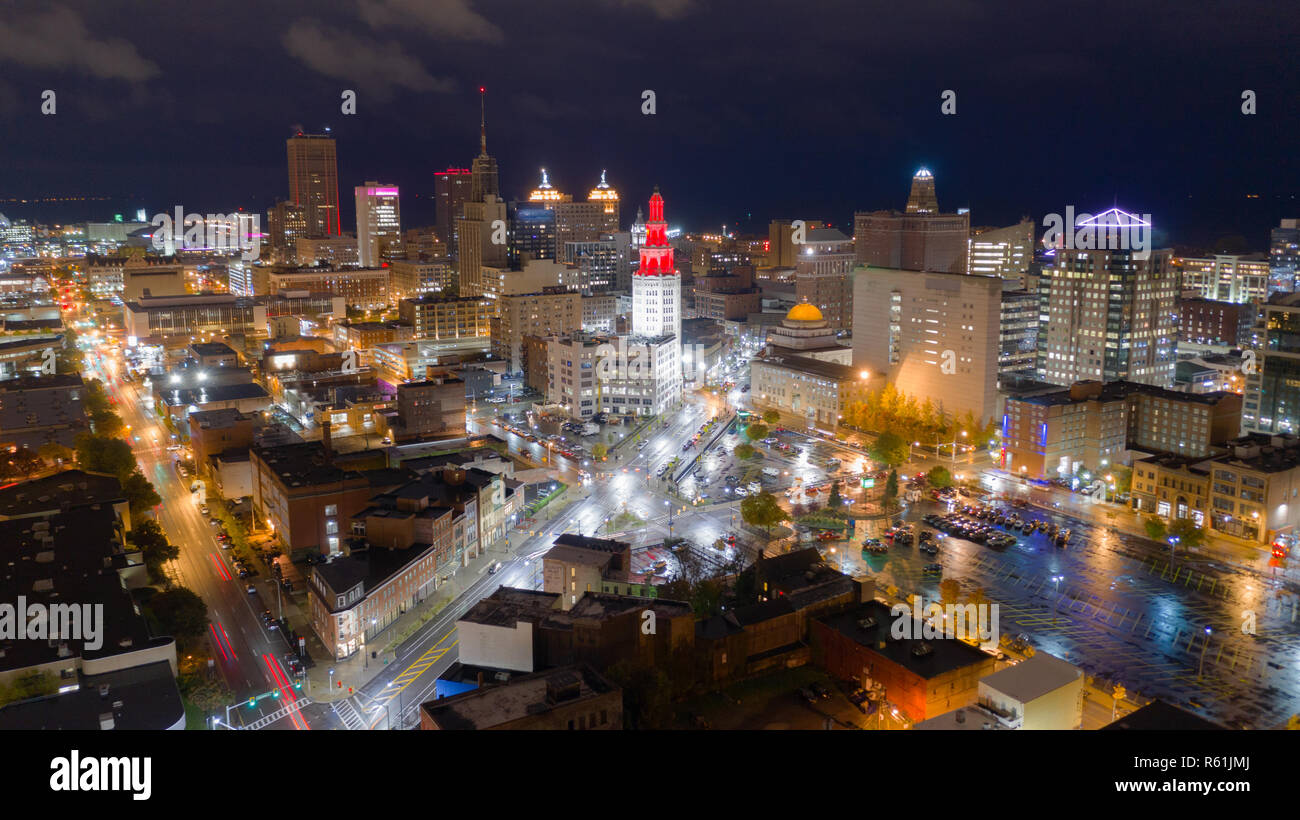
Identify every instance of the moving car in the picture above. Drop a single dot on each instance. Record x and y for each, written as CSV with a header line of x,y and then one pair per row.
x,y
495,566
932,569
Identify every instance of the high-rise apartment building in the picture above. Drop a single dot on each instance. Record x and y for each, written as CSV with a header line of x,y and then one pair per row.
x,y
920,239
934,336
1112,315
314,182
379,222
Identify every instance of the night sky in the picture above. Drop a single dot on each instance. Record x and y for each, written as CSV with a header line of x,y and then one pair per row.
x,y
803,109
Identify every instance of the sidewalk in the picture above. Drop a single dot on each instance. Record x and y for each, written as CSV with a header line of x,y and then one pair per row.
x,y
357,670
1234,553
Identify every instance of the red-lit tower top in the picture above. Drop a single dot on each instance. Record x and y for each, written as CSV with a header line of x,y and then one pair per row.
x,y
656,253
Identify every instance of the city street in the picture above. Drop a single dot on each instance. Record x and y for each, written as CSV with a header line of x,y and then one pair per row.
x,y
248,655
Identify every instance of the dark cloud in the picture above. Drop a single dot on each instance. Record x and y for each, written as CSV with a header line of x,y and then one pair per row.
x,y
450,19
372,66
57,38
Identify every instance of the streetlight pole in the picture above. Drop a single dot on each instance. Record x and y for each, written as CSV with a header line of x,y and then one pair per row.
x,y
1056,606
1205,646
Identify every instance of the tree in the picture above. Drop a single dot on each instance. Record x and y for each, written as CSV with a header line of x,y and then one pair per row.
x,y
599,451
756,432
56,453
939,476
1188,534
1155,528
154,548
890,449
745,451
180,613
139,492
772,417
762,511
891,486
101,454
834,502
26,462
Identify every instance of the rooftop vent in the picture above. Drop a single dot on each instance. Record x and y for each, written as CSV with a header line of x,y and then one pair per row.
x,y
922,650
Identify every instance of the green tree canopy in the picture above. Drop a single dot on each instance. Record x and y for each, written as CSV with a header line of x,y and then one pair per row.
x,y
745,451
598,451
755,432
1155,527
140,493
762,511
889,448
102,454
939,476
1188,534
154,547
772,416
891,486
834,502
180,613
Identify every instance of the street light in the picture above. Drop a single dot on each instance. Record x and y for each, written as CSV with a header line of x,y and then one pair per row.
x,y
1206,646
1056,606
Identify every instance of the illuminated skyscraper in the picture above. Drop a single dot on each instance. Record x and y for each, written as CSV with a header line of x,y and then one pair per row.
x,y
656,285
379,222
920,239
314,182
922,200
483,171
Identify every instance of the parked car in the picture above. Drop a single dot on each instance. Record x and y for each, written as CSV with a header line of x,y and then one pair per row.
x,y
822,691
807,694
932,569
250,589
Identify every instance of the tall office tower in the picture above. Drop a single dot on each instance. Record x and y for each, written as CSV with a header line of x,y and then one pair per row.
x,y
1004,252
780,247
484,179
922,199
314,182
1271,403
477,229
1112,315
1018,335
587,221
598,263
607,198
656,285
824,275
933,335
379,222
923,240
452,189
286,223
532,232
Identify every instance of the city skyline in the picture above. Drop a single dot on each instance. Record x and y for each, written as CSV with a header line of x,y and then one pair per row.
x,y
1188,154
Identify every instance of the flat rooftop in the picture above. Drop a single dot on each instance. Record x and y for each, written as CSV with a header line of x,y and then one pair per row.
x,y
1033,677
945,655
520,698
